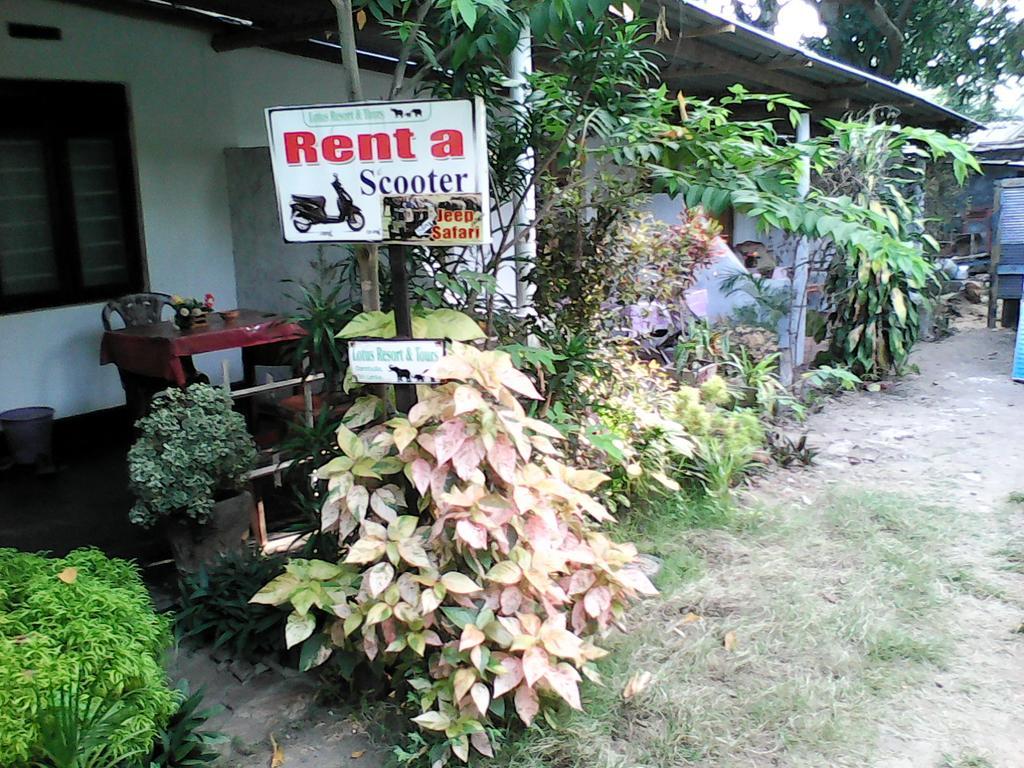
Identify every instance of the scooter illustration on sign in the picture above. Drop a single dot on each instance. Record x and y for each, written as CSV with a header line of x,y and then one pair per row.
x,y
308,210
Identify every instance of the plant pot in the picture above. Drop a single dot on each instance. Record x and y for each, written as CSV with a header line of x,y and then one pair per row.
x,y
195,545
744,396
703,371
29,433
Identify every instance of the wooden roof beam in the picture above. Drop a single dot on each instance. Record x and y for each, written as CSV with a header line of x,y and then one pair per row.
x,y
832,106
746,70
271,36
856,90
718,29
795,62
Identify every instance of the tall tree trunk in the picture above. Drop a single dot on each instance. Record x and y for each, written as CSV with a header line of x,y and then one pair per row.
x,y
368,259
366,255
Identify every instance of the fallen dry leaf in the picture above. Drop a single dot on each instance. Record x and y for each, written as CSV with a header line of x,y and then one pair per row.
x,y
636,684
690,618
358,753
68,575
729,641
277,755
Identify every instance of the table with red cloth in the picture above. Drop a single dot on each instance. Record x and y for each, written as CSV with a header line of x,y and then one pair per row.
x,y
163,351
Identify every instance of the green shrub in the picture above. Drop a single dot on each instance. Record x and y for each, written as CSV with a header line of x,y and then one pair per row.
x,y
79,729
683,433
741,431
191,446
82,619
500,584
182,743
215,606
719,465
716,391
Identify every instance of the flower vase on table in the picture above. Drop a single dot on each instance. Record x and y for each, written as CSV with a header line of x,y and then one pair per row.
x,y
191,312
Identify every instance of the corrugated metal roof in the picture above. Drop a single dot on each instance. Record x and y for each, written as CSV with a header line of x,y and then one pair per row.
x,y
1000,143
708,53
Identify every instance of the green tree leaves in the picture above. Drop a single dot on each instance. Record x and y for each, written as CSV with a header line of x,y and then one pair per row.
x,y
426,324
862,203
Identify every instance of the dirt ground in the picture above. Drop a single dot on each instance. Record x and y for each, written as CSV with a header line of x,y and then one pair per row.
x,y
259,708
952,433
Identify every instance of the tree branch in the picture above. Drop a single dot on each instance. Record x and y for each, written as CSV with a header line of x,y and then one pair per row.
x,y
879,18
542,167
904,14
347,41
398,78
426,69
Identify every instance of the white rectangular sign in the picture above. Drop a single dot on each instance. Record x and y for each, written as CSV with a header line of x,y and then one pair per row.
x,y
395,171
394,361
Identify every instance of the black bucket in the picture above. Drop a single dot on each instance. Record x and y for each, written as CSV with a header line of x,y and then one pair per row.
x,y
29,433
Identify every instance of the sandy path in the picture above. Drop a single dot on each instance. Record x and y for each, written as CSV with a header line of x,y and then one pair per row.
x,y
953,434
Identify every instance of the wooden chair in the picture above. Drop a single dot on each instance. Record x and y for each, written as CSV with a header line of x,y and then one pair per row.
x,y
136,309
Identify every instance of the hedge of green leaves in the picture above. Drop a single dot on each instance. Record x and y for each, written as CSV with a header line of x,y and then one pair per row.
x,y
191,445
84,617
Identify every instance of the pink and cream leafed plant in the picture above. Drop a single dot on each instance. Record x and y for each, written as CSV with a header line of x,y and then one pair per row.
x,y
495,588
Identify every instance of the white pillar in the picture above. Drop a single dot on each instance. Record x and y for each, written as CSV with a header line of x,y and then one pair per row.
x,y
793,344
521,65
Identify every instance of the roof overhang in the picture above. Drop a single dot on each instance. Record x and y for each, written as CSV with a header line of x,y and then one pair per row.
x,y
705,54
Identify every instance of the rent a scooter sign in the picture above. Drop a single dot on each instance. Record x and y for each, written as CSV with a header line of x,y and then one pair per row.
x,y
394,172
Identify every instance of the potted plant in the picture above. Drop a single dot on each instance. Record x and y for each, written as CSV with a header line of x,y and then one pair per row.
x,y
190,312
187,470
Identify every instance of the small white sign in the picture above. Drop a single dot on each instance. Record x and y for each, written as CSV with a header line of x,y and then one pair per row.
x,y
394,361
400,172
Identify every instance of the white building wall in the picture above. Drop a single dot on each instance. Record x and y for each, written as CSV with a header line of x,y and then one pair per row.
x,y
724,262
188,104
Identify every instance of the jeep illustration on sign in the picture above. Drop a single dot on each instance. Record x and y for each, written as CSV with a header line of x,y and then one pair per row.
x,y
433,219
400,172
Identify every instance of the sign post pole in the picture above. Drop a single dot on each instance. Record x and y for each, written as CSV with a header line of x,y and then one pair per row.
x,y
405,394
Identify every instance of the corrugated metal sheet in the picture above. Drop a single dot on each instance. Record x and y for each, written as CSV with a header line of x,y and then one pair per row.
x,y
1010,236
706,53
1009,287
1011,217
1012,253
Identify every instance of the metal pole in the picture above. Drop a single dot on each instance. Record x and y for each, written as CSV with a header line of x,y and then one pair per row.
x,y
521,65
793,352
995,249
405,394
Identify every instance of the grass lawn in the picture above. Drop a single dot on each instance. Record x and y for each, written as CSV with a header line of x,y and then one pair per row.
x,y
778,634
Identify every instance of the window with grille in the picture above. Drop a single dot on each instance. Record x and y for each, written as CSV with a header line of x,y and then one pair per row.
x,y
68,221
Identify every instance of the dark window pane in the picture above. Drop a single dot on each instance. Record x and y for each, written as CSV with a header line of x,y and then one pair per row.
x,y
68,229
28,259
94,185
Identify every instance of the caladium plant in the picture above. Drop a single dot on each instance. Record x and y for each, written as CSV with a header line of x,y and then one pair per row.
x,y
494,588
